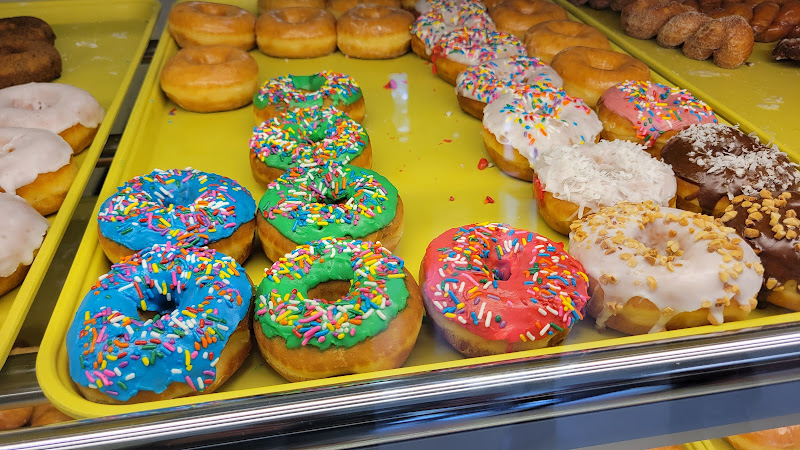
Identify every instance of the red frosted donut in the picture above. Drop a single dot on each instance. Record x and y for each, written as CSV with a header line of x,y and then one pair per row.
x,y
494,289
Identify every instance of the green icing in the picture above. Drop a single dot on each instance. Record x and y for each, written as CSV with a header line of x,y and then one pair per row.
x,y
300,91
338,200
287,282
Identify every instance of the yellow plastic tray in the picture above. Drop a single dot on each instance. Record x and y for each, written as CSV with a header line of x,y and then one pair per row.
x,y
422,142
762,97
101,44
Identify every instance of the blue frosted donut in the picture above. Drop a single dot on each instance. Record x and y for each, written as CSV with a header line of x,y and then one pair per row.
x,y
186,207
200,298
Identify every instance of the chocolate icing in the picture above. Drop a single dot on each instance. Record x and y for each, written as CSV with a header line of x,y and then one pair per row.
x,y
777,246
723,161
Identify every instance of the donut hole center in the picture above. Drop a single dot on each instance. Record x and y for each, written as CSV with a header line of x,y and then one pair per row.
x,y
208,58
308,83
372,12
214,9
293,16
502,270
330,291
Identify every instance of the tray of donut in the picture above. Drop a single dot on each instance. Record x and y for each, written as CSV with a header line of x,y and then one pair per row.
x,y
282,215
62,83
749,80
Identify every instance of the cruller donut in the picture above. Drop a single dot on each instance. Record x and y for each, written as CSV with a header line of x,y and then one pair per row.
x,y
495,289
336,307
198,337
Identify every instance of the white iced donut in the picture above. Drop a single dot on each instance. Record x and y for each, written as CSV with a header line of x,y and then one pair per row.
x,y
22,231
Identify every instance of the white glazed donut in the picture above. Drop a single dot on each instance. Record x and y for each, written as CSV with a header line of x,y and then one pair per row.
x,y
37,165
443,17
518,126
572,181
65,110
652,268
22,231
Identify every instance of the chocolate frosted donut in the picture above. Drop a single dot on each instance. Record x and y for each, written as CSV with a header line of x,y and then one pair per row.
x,y
714,163
27,28
769,223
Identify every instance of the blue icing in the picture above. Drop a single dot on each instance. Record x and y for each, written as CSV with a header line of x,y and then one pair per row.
x,y
181,206
125,354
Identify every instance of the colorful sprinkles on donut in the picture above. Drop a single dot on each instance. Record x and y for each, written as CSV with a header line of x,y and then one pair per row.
x,y
187,207
306,137
485,82
199,297
447,16
377,294
306,204
502,283
298,91
476,45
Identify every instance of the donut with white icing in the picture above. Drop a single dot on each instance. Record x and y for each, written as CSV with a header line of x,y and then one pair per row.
x,y
518,126
653,269
66,110
482,83
37,165
442,17
22,231
465,47
573,181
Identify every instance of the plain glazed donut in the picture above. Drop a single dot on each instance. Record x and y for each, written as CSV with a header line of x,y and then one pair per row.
x,y
653,269
493,289
25,61
587,72
307,137
329,200
186,207
210,79
714,163
296,32
785,21
23,233
193,24
11,419
269,5
466,47
336,307
374,32
277,96
515,17
26,28
37,165
649,113
546,39
517,127
198,337
770,225
339,7
573,181
66,110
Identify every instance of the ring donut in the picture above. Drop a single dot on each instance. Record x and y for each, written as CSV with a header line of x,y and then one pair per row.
x,y
374,32
296,32
204,23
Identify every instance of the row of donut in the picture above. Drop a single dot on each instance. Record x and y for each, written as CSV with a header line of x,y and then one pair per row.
x,y
42,125
29,53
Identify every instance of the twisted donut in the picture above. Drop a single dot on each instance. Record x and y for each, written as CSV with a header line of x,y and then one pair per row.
x,y
787,19
643,18
680,28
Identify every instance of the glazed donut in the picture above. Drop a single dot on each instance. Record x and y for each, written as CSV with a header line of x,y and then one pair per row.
x,y
587,72
267,5
770,225
763,15
482,83
492,289
186,207
374,32
23,233
37,165
307,137
25,61
649,113
26,28
653,269
196,340
642,19
546,39
11,419
329,200
193,24
714,163
783,438
210,79
785,21
335,307
432,26
787,49
70,112
519,126
339,7
296,32
573,181
680,28
466,47
279,95
515,17
47,414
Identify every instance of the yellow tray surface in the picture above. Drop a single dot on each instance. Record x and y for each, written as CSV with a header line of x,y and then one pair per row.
x,y
762,96
101,44
422,142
